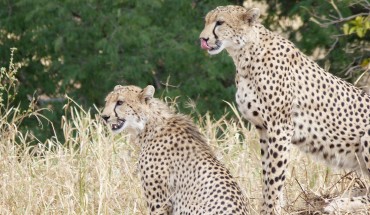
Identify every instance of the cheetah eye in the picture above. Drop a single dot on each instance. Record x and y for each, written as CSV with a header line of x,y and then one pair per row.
x,y
119,102
219,23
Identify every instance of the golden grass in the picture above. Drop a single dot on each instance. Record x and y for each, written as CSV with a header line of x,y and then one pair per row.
x,y
94,172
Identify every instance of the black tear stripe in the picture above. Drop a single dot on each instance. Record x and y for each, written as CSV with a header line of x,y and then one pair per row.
x,y
214,33
115,113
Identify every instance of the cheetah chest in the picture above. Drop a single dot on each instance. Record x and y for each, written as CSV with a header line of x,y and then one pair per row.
x,y
248,101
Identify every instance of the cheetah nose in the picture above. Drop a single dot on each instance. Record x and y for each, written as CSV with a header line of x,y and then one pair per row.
x,y
105,117
204,44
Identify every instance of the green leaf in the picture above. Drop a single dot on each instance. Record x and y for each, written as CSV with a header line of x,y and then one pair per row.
x,y
346,29
365,62
359,20
367,24
351,30
360,32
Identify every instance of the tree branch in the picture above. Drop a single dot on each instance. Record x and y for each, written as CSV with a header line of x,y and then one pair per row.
x,y
325,25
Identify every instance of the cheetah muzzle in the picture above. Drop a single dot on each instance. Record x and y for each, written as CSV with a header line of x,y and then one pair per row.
x,y
207,47
117,126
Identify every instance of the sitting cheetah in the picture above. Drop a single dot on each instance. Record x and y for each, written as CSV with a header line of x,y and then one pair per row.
x,y
179,173
291,101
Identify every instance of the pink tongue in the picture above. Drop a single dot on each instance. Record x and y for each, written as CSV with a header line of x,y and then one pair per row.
x,y
204,44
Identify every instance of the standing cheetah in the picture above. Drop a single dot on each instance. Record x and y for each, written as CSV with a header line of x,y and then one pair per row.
x,y
291,101
179,173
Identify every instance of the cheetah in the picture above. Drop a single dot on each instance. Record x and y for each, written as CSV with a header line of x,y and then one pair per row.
x,y
179,172
291,101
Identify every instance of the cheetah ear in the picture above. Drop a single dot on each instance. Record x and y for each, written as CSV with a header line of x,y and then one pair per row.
x,y
147,93
117,87
251,16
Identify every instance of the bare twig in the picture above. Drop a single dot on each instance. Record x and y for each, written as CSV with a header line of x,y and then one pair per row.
x,y
332,46
167,84
352,70
304,192
336,9
325,25
341,179
360,77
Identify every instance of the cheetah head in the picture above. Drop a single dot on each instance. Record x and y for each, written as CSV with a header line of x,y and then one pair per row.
x,y
228,27
126,108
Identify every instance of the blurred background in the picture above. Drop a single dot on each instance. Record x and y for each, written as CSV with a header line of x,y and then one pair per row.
x,y
84,48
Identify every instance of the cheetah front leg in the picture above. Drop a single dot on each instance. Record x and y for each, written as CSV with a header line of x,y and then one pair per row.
x,y
156,188
275,147
160,208
157,201
265,161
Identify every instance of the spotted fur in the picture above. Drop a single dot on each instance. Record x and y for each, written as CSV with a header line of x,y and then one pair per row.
x,y
179,172
290,100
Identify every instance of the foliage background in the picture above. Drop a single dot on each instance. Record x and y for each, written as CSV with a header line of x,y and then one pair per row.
x,y
84,48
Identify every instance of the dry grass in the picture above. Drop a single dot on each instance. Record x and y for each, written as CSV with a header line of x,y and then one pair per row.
x,y
94,172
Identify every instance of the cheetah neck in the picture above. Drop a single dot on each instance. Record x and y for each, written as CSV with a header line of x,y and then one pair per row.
x,y
154,122
252,49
